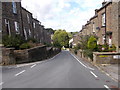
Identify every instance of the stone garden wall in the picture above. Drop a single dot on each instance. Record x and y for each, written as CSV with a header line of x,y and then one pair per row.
x,y
100,57
11,56
106,58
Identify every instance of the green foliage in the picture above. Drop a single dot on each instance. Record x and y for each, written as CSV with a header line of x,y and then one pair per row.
x,y
88,44
88,53
112,48
48,45
61,38
105,48
84,41
76,48
13,41
25,46
92,43
32,40
99,48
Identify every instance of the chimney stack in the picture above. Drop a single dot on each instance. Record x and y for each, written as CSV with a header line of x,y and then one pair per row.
x,y
103,4
96,11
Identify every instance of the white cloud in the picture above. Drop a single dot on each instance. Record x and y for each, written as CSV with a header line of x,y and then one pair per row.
x,y
62,14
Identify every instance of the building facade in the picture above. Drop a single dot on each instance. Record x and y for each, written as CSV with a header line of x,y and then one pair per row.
x,y
105,24
11,18
27,23
16,20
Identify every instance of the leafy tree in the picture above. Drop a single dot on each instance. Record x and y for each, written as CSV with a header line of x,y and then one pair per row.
x,y
61,38
92,43
83,42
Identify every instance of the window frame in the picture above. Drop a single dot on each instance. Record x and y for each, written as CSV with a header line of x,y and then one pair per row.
x,y
103,19
17,29
8,23
14,7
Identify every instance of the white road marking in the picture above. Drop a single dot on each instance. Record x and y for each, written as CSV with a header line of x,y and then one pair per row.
x,y
33,65
20,73
90,68
107,87
55,56
1,83
81,62
93,74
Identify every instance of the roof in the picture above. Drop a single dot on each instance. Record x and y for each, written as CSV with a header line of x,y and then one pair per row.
x,y
26,10
93,17
107,3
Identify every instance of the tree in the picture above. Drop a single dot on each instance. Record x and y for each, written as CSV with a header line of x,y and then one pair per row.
x,y
92,43
84,41
61,38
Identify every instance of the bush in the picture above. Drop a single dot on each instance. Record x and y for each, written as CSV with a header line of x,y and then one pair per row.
x,y
88,53
112,48
32,40
99,48
92,43
25,46
13,41
105,48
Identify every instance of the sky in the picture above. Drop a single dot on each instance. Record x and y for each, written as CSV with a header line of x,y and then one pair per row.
x,y
69,15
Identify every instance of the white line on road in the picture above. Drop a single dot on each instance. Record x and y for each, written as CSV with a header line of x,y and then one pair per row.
x,y
1,83
93,74
81,62
20,73
33,65
107,87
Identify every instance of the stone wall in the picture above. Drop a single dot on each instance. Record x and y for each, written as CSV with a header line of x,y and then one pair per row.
x,y
100,57
10,56
7,57
106,58
35,54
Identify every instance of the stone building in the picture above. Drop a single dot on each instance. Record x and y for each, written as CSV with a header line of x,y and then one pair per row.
x,y
108,17
14,19
105,24
11,18
47,36
37,27
27,23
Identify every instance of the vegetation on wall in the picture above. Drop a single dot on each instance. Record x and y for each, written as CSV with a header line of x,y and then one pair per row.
x,y
18,42
12,41
88,44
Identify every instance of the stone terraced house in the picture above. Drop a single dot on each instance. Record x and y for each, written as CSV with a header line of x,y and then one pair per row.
x,y
105,24
14,19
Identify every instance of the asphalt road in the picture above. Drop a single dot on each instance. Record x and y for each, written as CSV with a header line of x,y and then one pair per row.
x,y
62,71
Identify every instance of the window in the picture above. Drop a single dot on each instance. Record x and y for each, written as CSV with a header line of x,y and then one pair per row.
x,y
14,7
17,28
25,33
28,18
29,33
93,27
7,27
103,41
34,24
103,19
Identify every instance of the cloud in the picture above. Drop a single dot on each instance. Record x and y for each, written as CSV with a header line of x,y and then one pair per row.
x,y
62,14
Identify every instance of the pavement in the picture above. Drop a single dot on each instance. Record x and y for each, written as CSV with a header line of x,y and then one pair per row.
x,y
62,71
111,70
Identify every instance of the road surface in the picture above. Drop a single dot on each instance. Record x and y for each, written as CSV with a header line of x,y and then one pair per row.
x,y
62,71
